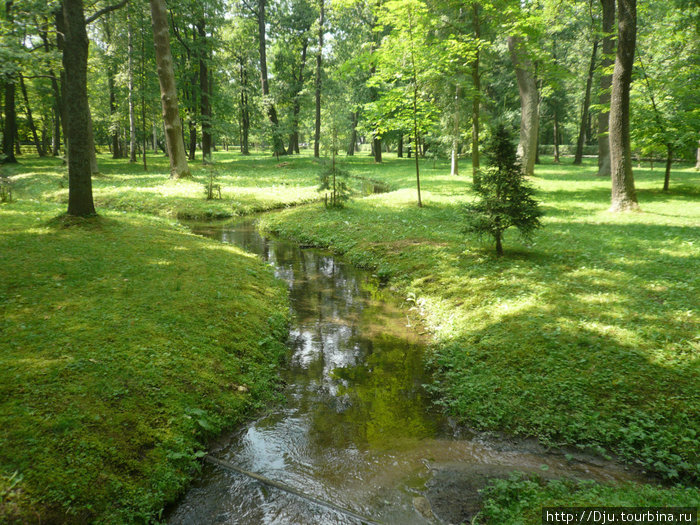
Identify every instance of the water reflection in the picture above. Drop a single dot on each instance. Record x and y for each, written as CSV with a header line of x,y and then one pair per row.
x,y
357,429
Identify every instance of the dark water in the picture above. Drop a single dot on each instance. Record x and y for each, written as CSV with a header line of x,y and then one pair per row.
x,y
357,428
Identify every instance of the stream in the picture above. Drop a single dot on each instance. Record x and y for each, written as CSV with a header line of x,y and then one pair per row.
x,y
357,428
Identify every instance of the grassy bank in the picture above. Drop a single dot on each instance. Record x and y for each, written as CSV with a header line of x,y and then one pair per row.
x,y
247,184
587,337
126,343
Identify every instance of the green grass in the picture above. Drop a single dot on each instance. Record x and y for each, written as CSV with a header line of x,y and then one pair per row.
x,y
587,337
248,184
126,344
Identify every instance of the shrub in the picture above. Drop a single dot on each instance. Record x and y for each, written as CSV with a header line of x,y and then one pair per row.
x,y
504,199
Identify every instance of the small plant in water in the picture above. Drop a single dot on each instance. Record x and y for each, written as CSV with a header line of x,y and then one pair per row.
x,y
504,198
212,188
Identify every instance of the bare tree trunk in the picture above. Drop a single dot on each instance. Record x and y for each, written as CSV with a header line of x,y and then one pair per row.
x,y
75,54
245,114
578,157
669,161
204,88
317,136
130,67
399,148
10,124
377,149
278,147
30,119
697,157
353,135
91,138
529,104
476,101
605,84
623,196
294,135
455,133
168,92
556,137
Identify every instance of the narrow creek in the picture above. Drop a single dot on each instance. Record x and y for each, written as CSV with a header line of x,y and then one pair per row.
x,y
357,429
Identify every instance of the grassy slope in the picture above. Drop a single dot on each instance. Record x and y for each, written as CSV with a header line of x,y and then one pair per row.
x,y
588,337
248,184
125,343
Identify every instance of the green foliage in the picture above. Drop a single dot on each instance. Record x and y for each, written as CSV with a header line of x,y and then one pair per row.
x,y
335,181
504,199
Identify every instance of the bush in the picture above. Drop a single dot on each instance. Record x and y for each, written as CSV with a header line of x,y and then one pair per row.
x,y
504,198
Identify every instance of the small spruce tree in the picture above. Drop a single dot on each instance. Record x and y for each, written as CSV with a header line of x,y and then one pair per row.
x,y
504,198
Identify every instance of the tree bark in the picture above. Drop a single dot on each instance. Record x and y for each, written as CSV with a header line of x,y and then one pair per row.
x,y
529,104
353,135
245,112
455,133
605,84
623,195
10,124
75,54
294,135
556,136
476,100
130,67
30,119
317,135
578,157
278,147
205,103
669,161
377,149
399,149
168,92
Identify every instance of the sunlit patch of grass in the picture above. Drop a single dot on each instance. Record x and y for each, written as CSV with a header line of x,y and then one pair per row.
x,y
124,340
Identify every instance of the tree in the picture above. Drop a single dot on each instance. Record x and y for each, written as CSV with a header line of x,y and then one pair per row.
x,y
605,84
319,54
168,92
623,195
529,103
504,198
75,54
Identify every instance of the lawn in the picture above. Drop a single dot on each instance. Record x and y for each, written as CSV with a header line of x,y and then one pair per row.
x,y
125,345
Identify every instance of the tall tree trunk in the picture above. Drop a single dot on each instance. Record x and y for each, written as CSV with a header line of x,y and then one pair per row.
x,y
277,145
353,134
377,149
529,104
455,133
130,67
10,124
168,91
30,119
476,100
317,136
205,104
60,41
556,137
57,117
605,84
578,157
116,153
399,149
623,195
91,139
669,161
294,135
75,54
245,114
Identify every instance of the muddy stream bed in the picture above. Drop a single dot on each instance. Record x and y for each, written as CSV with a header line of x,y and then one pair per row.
x,y
357,428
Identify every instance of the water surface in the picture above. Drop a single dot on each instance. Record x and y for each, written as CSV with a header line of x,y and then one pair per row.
x,y
357,428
